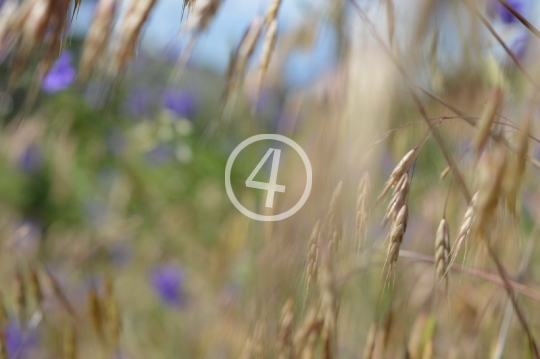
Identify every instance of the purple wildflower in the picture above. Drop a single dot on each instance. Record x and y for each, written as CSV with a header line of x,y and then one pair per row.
x,y
61,75
168,283
30,160
179,102
20,343
506,16
159,154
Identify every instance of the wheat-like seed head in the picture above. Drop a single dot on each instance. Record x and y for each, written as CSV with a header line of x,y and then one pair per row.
x,y
329,304
442,251
398,172
331,229
271,13
125,44
312,261
97,37
285,343
268,50
487,119
362,210
202,13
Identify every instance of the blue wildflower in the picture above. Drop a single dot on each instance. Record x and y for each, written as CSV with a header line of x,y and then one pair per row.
x,y
179,102
506,16
61,75
168,283
31,159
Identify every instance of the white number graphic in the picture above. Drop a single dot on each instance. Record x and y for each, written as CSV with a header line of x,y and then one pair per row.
x,y
272,187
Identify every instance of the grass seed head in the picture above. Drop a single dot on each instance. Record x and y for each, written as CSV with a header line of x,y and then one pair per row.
x,y
285,341
268,50
362,210
271,13
396,236
202,12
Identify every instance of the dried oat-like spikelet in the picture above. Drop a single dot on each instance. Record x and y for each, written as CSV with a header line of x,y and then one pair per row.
x,y
399,198
516,168
312,262
132,22
488,117
69,343
442,251
95,313
362,211
254,345
398,172
97,37
284,345
464,229
268,50
396,236
444,173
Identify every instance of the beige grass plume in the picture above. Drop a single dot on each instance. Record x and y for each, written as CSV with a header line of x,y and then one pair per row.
x,y
312,260
399,226
399,198
268,49
464,229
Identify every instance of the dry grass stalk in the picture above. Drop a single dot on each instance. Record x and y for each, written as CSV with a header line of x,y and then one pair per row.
x,y
399,198
285,340
188,4
516,168
268,50
442,252
398,172
69,343
492,167
371,341
97,37
362,210
35,287
312,261
59,293
95,313
486,120
391,21
399,226
127,38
